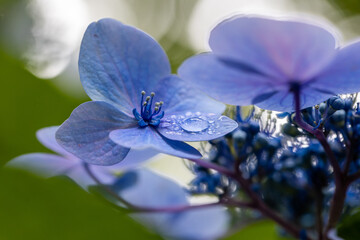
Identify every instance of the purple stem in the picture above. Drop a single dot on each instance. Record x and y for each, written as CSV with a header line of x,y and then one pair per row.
x,y
320,137
210,165
257,203
338,200
265,210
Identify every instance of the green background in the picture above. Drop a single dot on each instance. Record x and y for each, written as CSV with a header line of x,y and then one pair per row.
x,y
35,208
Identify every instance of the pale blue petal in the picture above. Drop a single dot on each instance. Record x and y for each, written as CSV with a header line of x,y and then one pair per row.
x,y
199,224
152,190
196,126
43,164
49,165
224,83
47,138
141,138
135,158
286,50
342,76
180,97
86,133
155,191
117,62
80,176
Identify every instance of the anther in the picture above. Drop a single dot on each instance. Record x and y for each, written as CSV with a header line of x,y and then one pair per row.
x,y
147,116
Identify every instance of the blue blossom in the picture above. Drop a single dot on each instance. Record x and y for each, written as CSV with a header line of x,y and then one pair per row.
x,y
137,103
151,190
64,163
260,61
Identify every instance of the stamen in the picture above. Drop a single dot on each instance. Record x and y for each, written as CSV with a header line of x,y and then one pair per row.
x,y
147,114
317,115
141,102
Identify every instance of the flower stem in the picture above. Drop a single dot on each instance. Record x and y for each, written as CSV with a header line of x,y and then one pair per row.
x,y
216,167
260,205
134,208
320,137
338,200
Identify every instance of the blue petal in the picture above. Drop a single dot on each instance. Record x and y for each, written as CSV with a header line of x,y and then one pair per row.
x,y
152,190
141,138
342,76
50,165
117,62
284,50
207,223
224,83
43,164
86,133
179,97
134,158
79,175
136,114
156,191
47,138
196,126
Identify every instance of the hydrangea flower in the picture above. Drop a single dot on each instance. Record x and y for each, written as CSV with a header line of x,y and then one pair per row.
x,y
141,187
261,61
137,103
64,163
151,190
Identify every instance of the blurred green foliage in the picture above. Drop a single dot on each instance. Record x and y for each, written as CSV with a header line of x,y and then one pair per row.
x,y
347,7
57,209
34,208
27,104
258,230
349,227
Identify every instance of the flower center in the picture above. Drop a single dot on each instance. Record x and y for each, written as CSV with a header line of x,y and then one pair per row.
x,y
147,115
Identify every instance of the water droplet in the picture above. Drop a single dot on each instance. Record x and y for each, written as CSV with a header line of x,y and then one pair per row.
x,y
166,124
194,124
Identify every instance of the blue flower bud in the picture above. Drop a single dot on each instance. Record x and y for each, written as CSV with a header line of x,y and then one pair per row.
x,y
348,104
336,103
322,108
239,136
290,130
338,118
260,141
